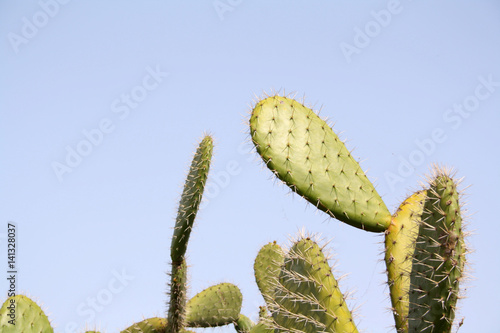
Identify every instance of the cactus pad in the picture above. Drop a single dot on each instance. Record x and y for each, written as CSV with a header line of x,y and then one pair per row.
x,y
215,306
400,240
21,314
308,298
304,152
150,325
267,268
439,258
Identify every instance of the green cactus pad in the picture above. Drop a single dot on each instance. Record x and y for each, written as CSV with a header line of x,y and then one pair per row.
x,y
400,240
188,208
191,198
439,258
267,268
215,306
27,316
304,152
308,298
150,325
243,324
261,328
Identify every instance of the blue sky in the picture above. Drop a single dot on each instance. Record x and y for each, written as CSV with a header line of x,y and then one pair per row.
x,y
130,87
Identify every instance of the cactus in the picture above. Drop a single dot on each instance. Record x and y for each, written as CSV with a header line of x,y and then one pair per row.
x,y
304,152
215,306
439,259
307,296
150,325
267,268
188,208
424,241
21,314
243,324
400,240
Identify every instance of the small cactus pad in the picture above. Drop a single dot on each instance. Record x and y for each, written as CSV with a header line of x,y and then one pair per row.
x,y
215,306
150,325
261,327
191,198
308,298
400,240
243,324
21,314
439,258
304,152
267,268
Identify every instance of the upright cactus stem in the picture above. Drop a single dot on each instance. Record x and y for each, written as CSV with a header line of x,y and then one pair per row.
x,y
188,208
191,198
304,152
438,265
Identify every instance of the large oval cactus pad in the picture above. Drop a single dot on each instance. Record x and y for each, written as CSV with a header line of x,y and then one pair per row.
x,y
304,152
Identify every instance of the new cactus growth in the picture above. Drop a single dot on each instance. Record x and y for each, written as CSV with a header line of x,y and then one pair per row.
x,y
304,152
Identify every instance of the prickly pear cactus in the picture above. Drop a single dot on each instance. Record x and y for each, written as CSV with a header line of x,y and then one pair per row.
x,y
304,152
243,324
215,306
307,296
21,314
150,325
188,208
267,268
400,240
438,265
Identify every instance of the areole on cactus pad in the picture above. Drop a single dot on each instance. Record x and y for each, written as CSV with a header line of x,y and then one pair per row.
x,y
304,152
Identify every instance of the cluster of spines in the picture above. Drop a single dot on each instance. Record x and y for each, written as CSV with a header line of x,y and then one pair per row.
x,y
304,152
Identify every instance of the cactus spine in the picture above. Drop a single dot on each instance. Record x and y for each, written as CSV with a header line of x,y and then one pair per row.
x,y
303,151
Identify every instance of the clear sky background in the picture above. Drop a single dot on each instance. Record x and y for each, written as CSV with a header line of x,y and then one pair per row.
x,y
407,84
